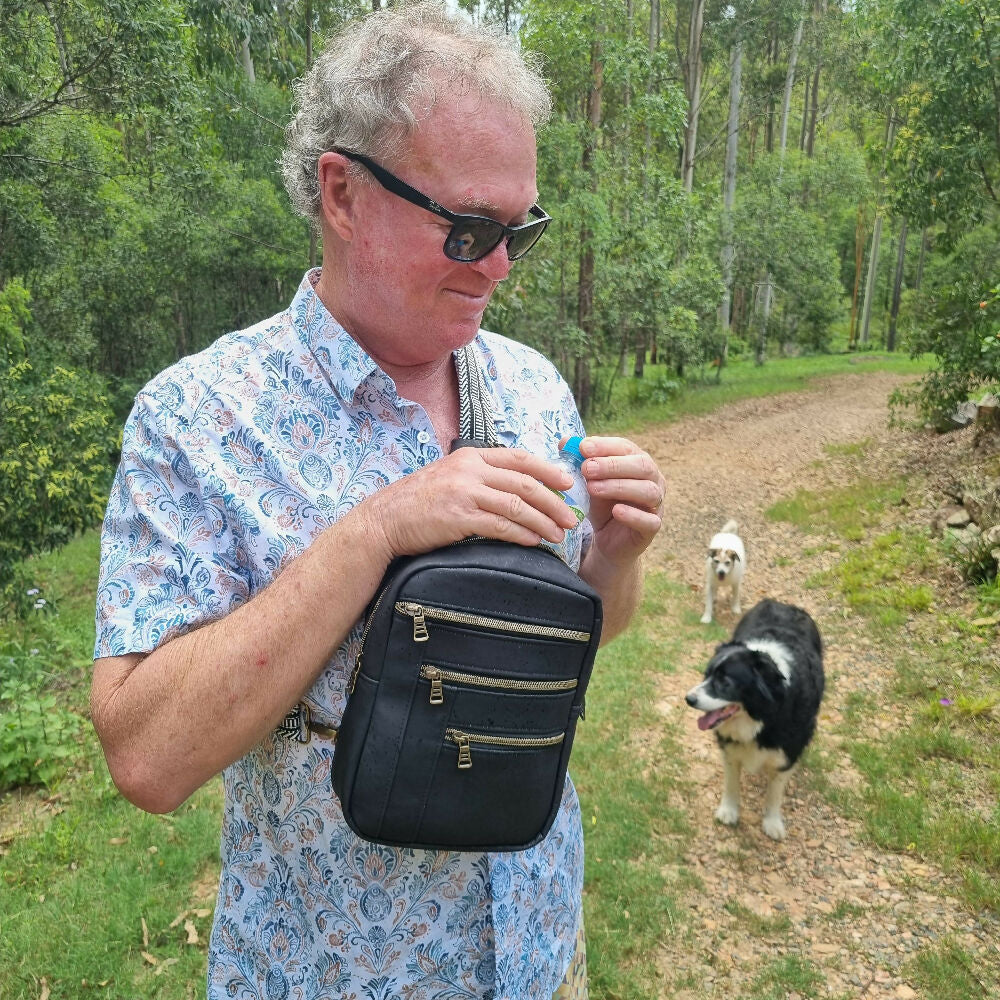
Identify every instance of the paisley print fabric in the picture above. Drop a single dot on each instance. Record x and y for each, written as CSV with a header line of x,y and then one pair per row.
x,y
233,461
574,985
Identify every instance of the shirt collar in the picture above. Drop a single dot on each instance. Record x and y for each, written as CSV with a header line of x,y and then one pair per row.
x,y
346,363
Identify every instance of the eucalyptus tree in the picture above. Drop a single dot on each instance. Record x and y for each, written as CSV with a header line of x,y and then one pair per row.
x,y
942,59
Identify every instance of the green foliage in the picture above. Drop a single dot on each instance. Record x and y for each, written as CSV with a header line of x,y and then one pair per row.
x,y
14,316
940,61
956,316
56,442
37,735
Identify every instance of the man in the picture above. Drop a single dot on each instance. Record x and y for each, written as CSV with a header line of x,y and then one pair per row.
x,y
267,483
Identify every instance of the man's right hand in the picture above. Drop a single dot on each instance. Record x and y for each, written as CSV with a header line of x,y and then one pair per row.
x,y
503,493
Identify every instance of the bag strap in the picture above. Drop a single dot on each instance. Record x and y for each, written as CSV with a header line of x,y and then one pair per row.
x,y
475,415
476,429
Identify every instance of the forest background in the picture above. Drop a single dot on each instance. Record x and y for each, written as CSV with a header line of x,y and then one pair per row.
x,y
727,180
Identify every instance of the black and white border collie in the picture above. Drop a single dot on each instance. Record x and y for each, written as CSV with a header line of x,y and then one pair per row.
x,y
761,695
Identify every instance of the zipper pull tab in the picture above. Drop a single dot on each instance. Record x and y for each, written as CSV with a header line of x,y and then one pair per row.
x,y
354,673
433,674
464,750
420,633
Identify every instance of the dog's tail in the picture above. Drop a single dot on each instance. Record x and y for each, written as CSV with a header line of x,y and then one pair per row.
x,y
730,528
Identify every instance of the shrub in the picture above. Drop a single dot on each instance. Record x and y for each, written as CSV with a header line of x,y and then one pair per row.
x,y
56,446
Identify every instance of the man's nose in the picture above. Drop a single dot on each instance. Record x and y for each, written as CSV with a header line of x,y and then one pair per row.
x,y
496,264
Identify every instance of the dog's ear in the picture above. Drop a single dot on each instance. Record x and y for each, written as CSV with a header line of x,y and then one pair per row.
x,y
763,688
712,553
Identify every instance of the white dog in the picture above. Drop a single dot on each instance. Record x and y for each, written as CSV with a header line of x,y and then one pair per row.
x,y
726,563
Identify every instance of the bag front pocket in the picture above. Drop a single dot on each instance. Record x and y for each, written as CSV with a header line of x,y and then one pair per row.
x,y
501,790
421,614
464,741
439,676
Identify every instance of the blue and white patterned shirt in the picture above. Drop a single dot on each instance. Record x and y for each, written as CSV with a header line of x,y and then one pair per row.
x,y
233,461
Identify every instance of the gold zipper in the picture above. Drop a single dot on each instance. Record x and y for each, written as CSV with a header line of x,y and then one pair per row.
x,y
420,614
464,741
361,645
436,675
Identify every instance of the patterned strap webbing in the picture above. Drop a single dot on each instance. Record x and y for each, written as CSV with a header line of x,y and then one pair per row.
x,y
475,416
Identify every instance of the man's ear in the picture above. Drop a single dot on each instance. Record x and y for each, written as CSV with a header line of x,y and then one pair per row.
x,y
337,191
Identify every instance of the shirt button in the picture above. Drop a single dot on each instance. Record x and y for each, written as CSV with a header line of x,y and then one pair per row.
x,y
423,437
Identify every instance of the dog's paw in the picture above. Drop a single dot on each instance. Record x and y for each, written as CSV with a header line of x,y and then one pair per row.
x,y
774,827
706,619
728,813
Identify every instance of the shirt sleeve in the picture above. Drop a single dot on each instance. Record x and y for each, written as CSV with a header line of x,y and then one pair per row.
x,y
168,563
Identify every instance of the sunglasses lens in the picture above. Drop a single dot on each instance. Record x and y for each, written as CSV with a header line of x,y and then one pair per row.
x,y
473,239
524,239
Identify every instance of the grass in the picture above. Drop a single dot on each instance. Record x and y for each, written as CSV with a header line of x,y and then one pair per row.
x,y
637,403
784,976
847,512
627,902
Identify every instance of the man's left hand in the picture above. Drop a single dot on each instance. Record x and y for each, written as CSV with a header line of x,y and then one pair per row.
x,y
626,497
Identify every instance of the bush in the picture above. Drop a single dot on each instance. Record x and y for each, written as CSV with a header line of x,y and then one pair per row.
x,y
56,448
956,316
37,733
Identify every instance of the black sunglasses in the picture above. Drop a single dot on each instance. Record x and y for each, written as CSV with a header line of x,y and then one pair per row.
x,y
472,237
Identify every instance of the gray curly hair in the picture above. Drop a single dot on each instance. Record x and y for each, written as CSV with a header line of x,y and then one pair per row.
x,y
363,92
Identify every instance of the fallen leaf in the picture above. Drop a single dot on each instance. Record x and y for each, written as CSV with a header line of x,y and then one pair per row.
x,y
178,918
118,841
152,849
192,932
165,964
149,958
145,933
44,995
201,914
982,622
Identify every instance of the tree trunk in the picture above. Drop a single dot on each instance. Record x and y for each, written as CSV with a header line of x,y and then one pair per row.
x,y
786,103
692,85
764,309
585,288
805,114
897,287
859,257
772,55
64,67
729,194
246,59
651,87
814,113
920,260
866,311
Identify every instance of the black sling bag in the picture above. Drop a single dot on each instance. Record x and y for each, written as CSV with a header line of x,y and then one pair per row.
x,y
467,688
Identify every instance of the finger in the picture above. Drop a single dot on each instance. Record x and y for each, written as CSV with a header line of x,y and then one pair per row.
x,y
510,514
634,465
644,493
643,523
537,499
597,447
518,460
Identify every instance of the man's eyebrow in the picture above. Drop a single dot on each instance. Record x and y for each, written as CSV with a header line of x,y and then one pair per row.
x,y
483,206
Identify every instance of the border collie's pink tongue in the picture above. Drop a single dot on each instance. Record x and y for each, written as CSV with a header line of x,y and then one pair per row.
x,y
711,719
